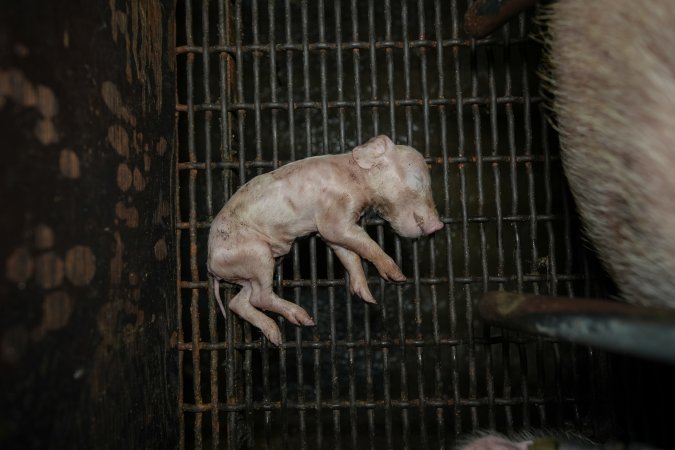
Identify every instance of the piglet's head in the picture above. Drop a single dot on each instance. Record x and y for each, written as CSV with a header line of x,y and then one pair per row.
x,y
400,183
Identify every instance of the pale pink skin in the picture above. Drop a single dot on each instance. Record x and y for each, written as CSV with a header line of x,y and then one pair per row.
x,y
324,194
496,443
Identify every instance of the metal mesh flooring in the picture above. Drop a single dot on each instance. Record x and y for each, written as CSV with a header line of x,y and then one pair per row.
x,y
264,83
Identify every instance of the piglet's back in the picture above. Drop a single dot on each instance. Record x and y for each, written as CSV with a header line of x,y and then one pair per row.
x,y
282,203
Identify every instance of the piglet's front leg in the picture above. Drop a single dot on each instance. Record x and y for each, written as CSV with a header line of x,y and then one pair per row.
x,y
354,238
358,283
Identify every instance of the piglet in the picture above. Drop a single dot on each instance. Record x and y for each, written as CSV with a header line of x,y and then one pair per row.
x,y
531,439
324,194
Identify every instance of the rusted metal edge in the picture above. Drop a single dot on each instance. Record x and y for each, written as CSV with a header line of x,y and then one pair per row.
x,y
485,16
642,331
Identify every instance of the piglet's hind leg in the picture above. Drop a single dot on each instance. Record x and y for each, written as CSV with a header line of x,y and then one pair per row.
x,y
262,295
241,306
264,298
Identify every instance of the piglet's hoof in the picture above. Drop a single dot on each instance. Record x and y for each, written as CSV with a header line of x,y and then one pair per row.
x,y
365,294
390,271
299,316
273,335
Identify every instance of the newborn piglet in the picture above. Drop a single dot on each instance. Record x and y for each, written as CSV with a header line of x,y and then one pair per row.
x,y
324,194
531,439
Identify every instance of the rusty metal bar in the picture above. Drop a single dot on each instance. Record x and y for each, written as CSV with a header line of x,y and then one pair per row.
x,y
437,317
638,330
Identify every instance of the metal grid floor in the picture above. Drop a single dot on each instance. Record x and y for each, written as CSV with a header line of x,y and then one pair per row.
x,y
264,83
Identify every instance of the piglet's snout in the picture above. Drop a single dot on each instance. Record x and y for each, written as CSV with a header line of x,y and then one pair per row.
x,y
428,225
431,225
434,226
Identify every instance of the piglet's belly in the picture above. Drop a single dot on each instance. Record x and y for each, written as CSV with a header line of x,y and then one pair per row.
x,y
281,245
280,237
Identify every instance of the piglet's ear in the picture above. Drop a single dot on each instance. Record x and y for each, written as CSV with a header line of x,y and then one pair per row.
x,y
371,153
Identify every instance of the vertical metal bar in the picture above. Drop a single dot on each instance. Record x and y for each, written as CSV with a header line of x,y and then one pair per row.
x,y
496,173
380,237
570,292
406,69
213,330
256,85
452,301
337,5
522,359
322,78
213,340
353,412
386,373
419,355
356,60
226,69
295,251
194,272
248,354
335,391
471,350
306,77
397,241
271,24
477,138
283,376
194,306
318,398
389,53
373,66
439,385
312,240
569,286
248,382
335,388
513,172
380,230
527,103
593,360
266,393
179,293
241,116
289,81
422,35
207,99
485,274
431,240
299,352
241,113
402,348
271,17
567,237
552,261
232,386
180,330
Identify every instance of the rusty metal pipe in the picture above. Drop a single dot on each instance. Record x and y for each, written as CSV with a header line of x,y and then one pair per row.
x,y
642,331
485,16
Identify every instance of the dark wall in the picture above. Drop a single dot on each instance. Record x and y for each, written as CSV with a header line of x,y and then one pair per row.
x,y
87,273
